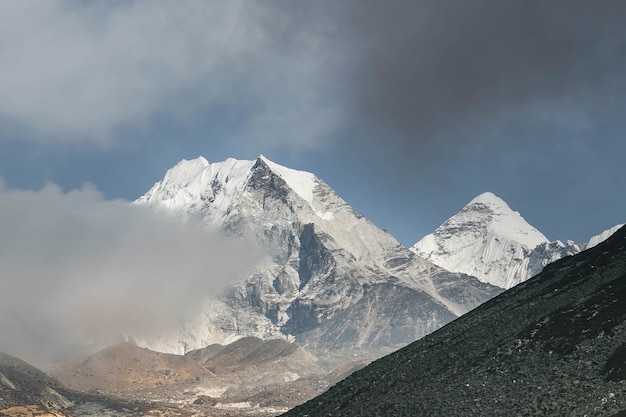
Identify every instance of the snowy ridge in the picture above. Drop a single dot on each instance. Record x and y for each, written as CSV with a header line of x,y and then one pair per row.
x,y
303,183
190,182
332,279
186,170
193,186
597,239
490,241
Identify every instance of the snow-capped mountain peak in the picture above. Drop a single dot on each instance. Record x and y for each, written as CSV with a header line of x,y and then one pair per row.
x,y
489,240
192,180
330,279
501,219
490,199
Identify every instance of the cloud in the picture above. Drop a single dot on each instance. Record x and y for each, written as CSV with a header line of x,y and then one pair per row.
x,y
405,79
84,73
77,269
431,76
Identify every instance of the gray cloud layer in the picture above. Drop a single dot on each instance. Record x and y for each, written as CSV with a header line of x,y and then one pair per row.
x,y
75,269
407,76
424,67
86,72
297,74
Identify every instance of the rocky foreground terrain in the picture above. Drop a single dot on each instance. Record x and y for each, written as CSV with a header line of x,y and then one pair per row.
x,y
247,377
553,346
26,391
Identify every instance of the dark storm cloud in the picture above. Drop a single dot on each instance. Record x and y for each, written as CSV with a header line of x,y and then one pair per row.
x,y
422,69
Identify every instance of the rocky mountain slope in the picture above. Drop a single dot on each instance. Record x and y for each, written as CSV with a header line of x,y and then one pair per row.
x,y
490,241
553,345
26,391
22,385
331,280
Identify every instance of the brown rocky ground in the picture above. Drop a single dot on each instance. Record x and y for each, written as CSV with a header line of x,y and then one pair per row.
x,y
130,372
31,411
247,377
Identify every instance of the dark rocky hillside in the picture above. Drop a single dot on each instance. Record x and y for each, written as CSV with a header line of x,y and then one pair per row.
x,y
552,346
26,391
21,383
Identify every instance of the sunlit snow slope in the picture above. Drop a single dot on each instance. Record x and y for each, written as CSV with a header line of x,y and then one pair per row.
x,y
597,239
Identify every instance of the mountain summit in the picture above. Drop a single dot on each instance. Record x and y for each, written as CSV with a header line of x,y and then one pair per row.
x,y
332,279
490,241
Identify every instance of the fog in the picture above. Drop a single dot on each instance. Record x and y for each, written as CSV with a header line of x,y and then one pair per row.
x,y
78,272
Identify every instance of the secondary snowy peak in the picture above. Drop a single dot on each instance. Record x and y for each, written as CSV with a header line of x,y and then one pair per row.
x,y
597,239
500,219
490,241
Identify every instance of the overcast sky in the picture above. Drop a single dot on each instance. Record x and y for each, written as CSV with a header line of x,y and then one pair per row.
x,y
408,109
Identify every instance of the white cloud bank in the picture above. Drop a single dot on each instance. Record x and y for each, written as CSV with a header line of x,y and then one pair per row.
x,y
83,72
75,269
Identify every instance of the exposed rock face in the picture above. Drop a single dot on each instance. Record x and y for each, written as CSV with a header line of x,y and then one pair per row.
x,y
490,241
553,345
332,279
